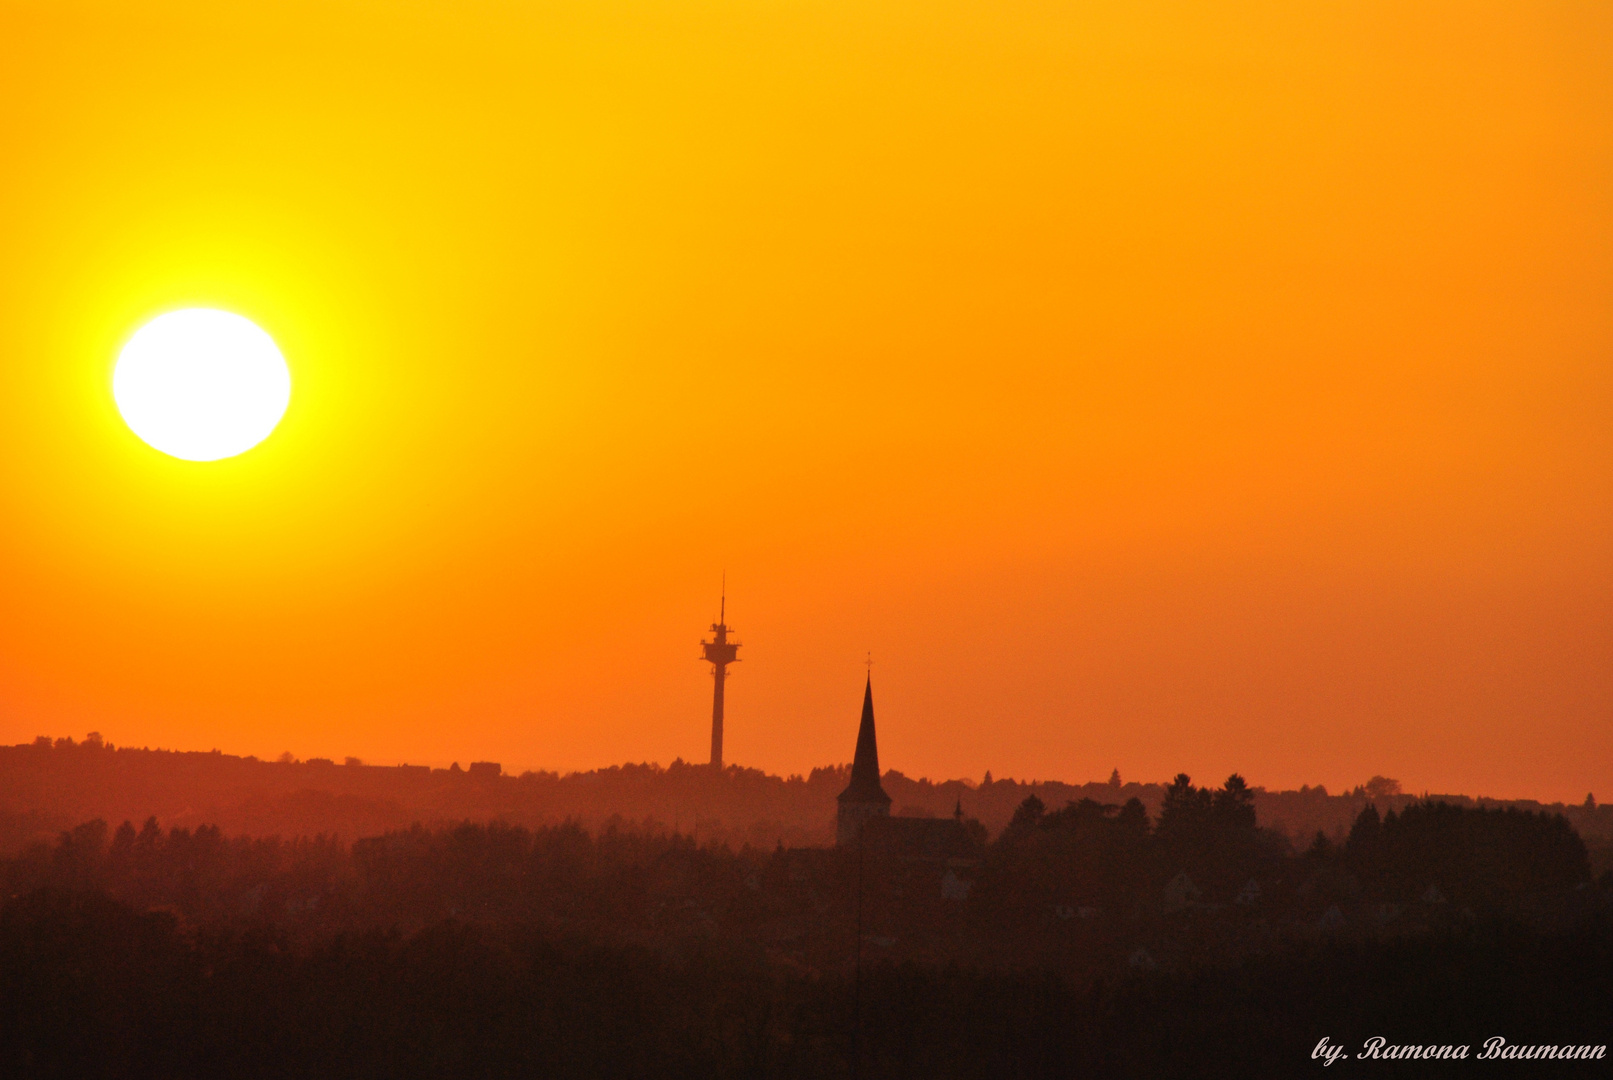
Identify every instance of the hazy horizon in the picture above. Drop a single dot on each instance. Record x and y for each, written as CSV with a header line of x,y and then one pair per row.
x,y
515,770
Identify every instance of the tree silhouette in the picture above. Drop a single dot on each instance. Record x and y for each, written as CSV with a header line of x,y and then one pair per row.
x,y
1234,805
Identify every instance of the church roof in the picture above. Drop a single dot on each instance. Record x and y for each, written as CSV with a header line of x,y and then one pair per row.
x,y
921,838
865,786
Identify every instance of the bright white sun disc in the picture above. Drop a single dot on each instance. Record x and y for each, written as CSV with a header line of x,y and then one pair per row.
x,y
201,384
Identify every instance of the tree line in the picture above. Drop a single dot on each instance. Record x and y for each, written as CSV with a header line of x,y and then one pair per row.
x,y
1091,939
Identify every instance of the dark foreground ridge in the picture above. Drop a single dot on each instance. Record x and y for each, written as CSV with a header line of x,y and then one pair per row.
x,y
91,988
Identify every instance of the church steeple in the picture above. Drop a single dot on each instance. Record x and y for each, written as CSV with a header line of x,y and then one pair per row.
x,y
865,786
864,797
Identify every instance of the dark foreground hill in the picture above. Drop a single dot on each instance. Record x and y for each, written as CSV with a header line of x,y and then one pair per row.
x,y
90,988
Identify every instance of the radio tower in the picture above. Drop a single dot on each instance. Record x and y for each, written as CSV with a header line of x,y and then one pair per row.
x,y
720,653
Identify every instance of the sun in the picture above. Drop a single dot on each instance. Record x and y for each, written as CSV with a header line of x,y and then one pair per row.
x,y
201,384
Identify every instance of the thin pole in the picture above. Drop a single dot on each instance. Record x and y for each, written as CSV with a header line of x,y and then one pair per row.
x,y
857,970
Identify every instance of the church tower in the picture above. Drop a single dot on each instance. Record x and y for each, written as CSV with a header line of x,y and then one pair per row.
x,y
863,798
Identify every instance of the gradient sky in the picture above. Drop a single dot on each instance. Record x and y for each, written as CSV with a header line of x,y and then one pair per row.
x,y
1202,385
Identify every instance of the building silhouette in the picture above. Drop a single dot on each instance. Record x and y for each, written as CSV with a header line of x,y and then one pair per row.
x,y
864,798
925,846
720,652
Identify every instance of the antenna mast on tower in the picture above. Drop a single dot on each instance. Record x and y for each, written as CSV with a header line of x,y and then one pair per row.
x,y
720,652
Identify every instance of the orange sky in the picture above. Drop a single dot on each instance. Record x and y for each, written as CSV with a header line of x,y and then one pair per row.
x,y
1198,385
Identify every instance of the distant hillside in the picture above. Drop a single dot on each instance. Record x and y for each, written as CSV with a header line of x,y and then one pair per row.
x,y
50,785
